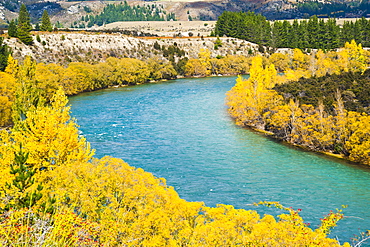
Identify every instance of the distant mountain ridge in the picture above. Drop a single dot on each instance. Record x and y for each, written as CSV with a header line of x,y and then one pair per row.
x,y
67,12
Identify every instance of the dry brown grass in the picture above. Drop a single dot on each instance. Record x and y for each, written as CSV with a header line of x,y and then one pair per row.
x,y
165,28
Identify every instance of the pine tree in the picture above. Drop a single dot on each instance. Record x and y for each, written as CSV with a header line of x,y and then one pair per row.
x,y
313,30
12,29
4,54
45,22
24,26
23,180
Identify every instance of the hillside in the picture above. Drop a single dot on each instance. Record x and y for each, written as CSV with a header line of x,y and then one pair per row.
x,y
64,47
68,12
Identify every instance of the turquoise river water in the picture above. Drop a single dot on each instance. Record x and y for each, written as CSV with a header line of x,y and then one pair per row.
x,y
180,130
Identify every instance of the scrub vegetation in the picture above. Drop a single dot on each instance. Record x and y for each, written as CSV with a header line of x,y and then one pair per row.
x,y
54,192
305,109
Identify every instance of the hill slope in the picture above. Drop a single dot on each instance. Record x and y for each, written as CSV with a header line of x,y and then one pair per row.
x,y
63,47
68,12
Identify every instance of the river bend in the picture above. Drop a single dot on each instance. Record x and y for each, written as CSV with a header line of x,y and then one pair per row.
x,y
180,130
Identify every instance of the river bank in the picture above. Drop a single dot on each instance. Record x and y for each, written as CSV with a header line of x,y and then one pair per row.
x,y
169,129
266,133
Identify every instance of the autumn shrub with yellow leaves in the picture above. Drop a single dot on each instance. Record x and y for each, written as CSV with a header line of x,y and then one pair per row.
x,y
105,202
254,103
70,198
33,81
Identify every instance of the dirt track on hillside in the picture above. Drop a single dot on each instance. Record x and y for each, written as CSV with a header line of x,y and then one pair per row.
x,y
166,28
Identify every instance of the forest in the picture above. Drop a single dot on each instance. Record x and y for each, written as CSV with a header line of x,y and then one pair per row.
x,y
124,12
313,33
334,9
309,115
54,192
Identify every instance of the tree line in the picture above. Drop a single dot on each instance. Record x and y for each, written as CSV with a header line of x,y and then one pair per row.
x,y
124,12
334,9
313,33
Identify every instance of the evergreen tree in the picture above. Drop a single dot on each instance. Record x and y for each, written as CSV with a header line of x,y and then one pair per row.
x,y
314,33
303,35
364,32
313,30
37,27
294,35
276,41
4,54
12,29
286,30
23,180
332,35
24,26
45,22
346,33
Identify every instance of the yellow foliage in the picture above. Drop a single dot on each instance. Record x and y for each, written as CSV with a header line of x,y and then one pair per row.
x,y
325,64
280,61
49,135
249,99
7,91
295,75
352,58
299,60
12,67
253,103
160,69
48,78
204,56
358,143
195,68
105,202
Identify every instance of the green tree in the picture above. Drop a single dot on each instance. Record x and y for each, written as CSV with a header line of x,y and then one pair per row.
x,y
332,34
23,179
37,27
24,26
313,29
45,22
5,51
12,29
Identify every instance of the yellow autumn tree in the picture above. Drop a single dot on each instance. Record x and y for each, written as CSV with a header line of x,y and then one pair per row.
x,y
352,58
48,77
7,92
194,67
298,67
50,136
358,143
249,99
204,57
160,69
325,64
280,61
28,94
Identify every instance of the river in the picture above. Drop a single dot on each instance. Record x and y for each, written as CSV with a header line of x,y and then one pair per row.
x,y
180,130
